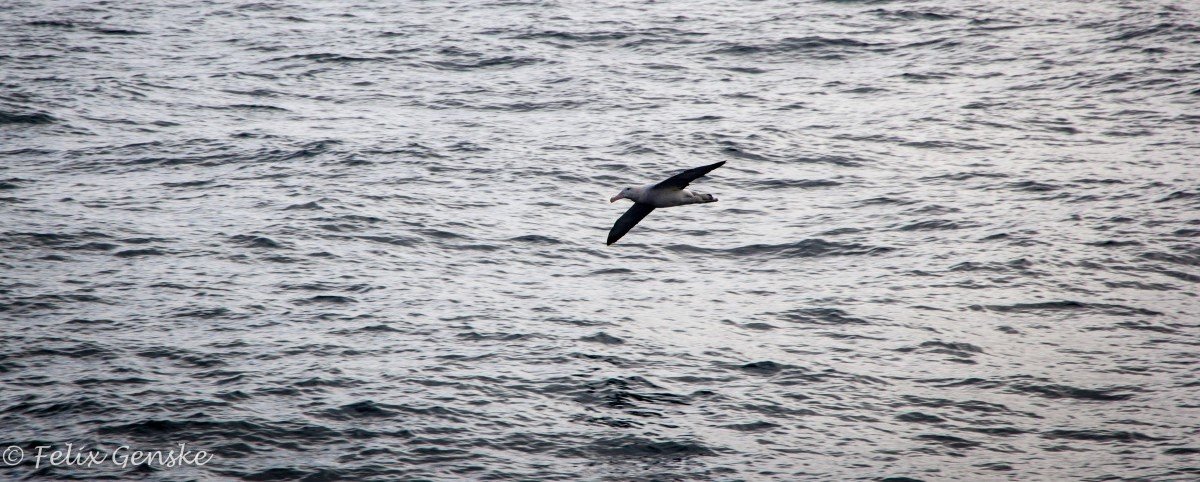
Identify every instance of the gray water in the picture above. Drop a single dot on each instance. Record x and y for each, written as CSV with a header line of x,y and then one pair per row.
x,y
955,240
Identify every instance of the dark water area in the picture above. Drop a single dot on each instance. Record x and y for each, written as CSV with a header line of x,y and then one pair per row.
x,y
365,241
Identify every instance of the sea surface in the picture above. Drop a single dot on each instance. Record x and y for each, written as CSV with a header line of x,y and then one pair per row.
x,y
956,240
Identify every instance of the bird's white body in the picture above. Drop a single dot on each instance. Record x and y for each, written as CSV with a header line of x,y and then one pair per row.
x,y
664,198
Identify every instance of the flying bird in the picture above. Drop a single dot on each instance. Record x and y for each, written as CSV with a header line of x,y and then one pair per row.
x,y
665,194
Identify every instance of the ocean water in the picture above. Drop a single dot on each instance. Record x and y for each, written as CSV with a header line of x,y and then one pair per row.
x,y
365,241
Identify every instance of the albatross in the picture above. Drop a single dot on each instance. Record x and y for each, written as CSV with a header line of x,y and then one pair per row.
x,y
665,194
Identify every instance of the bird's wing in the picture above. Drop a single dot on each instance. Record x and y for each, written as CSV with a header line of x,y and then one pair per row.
x,y
628,220
681,180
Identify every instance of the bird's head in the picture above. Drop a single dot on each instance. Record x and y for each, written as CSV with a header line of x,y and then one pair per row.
x,y
627,193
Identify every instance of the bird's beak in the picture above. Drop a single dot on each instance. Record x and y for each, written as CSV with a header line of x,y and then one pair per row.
x,y
615,198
